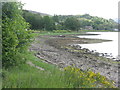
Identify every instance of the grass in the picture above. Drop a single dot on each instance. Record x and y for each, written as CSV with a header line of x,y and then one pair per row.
x,y
39,62
97,31
30,77
25,76
65,32
52,33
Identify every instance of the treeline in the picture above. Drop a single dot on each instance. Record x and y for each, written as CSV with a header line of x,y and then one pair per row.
x,y
68,22
38,22
15,37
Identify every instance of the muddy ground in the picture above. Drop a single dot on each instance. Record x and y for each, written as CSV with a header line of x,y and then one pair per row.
x,y
61,51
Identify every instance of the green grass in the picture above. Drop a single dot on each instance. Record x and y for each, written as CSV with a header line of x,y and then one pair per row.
x,y
65,32
97,31
26,76
39,62
30,77
52,33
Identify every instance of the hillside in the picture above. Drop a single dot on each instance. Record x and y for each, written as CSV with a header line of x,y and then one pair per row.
x,y
39,21
35,12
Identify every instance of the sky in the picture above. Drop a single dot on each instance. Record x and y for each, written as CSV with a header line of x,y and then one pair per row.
x,y
101,8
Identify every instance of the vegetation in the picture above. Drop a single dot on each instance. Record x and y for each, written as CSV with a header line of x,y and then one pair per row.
x,y
72,24
25,76
85,79
68,22
61,31
39,22
16,36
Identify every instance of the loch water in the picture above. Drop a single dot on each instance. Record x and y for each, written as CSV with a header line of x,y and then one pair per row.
x,y
109,48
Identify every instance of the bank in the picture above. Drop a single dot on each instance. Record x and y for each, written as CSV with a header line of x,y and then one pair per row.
x,y
61,51
53,61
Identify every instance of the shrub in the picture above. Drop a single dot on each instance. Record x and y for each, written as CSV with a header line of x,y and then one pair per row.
x,y
14,34
86,79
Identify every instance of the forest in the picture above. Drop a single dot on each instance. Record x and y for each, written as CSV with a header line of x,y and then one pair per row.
x,y
67,22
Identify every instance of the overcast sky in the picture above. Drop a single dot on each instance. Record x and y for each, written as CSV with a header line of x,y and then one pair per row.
x,y
102,8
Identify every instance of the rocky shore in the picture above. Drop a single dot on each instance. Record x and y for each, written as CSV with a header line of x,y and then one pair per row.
x,y
62,51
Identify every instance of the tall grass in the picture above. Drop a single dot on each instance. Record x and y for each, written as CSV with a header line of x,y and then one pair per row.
x,y
30,77
25,76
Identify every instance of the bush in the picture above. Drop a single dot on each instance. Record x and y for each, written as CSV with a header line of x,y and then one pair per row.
x,y
14,34
86,79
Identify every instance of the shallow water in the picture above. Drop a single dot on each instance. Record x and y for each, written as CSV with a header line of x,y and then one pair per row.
x,y
111,47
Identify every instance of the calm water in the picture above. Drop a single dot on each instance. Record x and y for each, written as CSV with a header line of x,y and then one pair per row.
x,y
111,47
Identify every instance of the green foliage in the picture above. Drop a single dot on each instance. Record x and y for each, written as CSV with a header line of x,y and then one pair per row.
x,y
103,24
35,20
48,23
39,22
14,35
86,79
85,22
65,22
72,23
30,77
25,76
55,18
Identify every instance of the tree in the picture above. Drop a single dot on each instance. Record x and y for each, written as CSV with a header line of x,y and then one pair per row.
x,y
55,18
72,23
65,22
14,34
48,23
85,22
35,20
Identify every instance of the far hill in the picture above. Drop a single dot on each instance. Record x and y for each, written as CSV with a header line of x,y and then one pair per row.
x,y
35,12
43,21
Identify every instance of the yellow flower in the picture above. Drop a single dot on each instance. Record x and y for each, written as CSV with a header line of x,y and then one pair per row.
x,y
77,70
80,76
88,79
105,82
92,85
98,74
103,78
65,68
